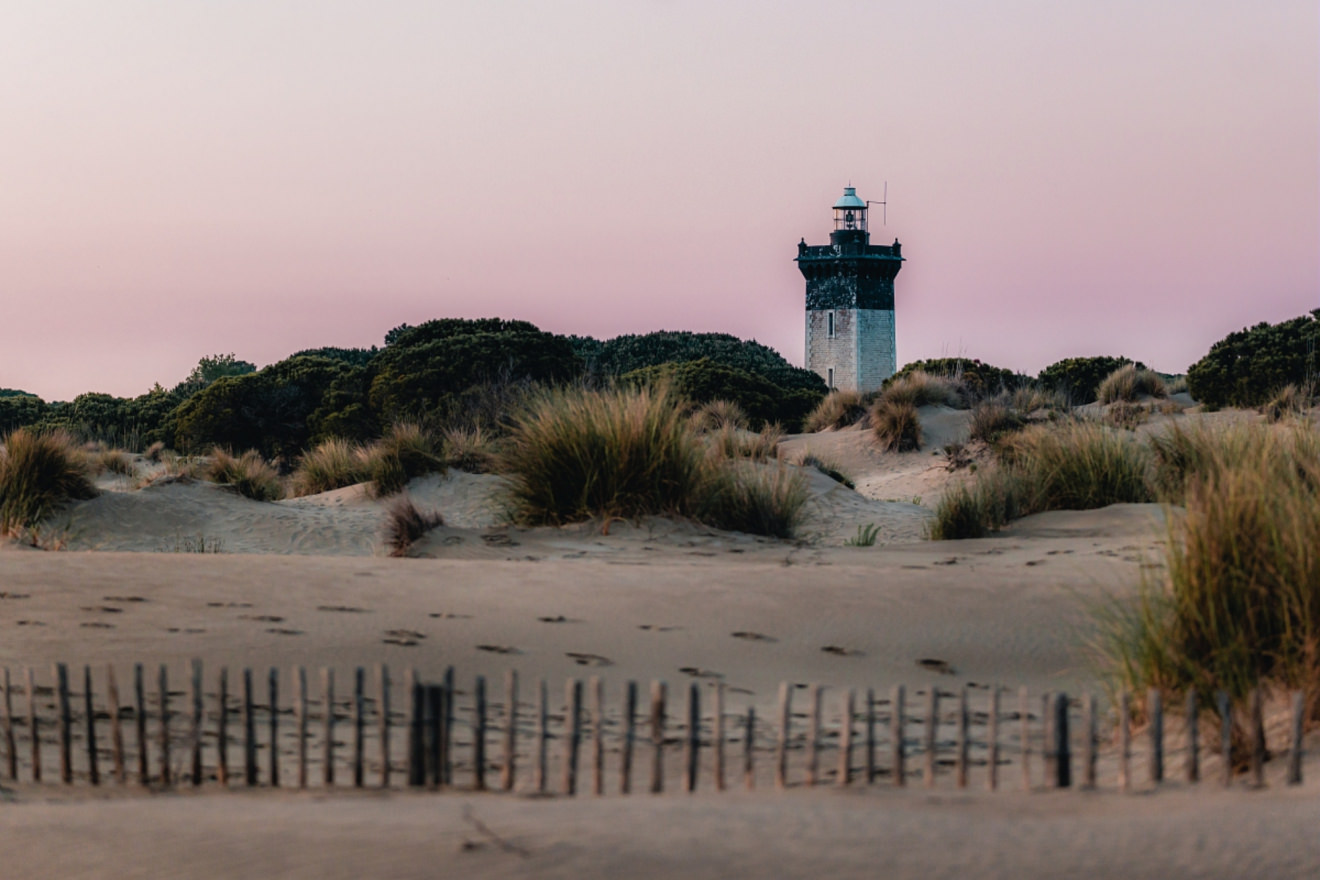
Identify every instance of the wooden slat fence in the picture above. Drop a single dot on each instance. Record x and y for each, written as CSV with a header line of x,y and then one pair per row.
x,y
457,737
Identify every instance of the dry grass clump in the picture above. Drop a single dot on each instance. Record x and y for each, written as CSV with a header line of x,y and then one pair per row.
x,y
154,452
248,474
405,525
39,472
920,388
114,461
1239,605
895,425
809,459
576,454
1126,416
717,415
406,451
730,442
1129,384
333,464
837,410
473,450
1075,466
992,419
757,499
1031,400
1289,401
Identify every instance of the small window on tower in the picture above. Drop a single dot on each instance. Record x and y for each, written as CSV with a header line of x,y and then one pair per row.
x,y
830,333
830,381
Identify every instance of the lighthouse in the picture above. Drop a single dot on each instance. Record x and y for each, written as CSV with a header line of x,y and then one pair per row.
x,y
850,301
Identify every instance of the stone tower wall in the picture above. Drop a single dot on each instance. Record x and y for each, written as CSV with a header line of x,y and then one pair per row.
x,y
862,350
877,358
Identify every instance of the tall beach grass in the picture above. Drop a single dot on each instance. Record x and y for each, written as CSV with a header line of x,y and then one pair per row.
x,y
38,473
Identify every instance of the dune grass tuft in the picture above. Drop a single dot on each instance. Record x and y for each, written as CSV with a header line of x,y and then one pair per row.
x,y
718,415
333,464
405,452
1289,401
473,450
405,524
1129,384
730,442
757,499
38,473
248,474
837,410
920,388
829,468
992,419
114,461
895,425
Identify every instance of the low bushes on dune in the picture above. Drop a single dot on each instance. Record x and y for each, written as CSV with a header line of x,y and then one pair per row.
x,y
1129,383
248,474
574,455
39,472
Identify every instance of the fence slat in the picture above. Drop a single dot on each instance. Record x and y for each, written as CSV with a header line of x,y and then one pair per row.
x,y
1062,743
1192,715
992,740
785,725
845,739
1124,742
717,737
629,734
870,735
359,726
1047,738
249,732
140,721
383,721
196,732
417,733
479,735
116,725
1225,735
222,728
658,693
897,732
1089,728
11,753
436,696
1024,712
542,779
749,749
693,738
163,685
328,700
34,725
273,723
964,739
930,734
1295,739
597,736
572,733
1155,709
449,705
302,726
66,723
813,735
508,768
89,709
1257,733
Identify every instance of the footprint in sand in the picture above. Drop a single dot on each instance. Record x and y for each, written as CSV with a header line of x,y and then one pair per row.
x,y
96,624
650,627
558,618
449,615
104,609
191,631
406,634
7,595
589,659
345,609
29,623
843,652
262,618
228,604
122,599
753,636
402,643
499,649
932,665
952,560
284,631
699,673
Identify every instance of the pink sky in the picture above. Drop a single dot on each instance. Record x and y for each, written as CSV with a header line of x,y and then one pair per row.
x,y
181,179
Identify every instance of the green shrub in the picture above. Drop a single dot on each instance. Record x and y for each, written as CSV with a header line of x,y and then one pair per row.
x,y
38,473
333,464
1129,383
1245,368
1079,378
248,474
895,425
837,410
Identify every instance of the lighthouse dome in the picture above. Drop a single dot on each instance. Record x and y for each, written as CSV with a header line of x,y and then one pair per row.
x,y
850,199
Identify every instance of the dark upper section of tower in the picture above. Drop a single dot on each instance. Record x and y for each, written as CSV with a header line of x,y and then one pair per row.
x,y
850,272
